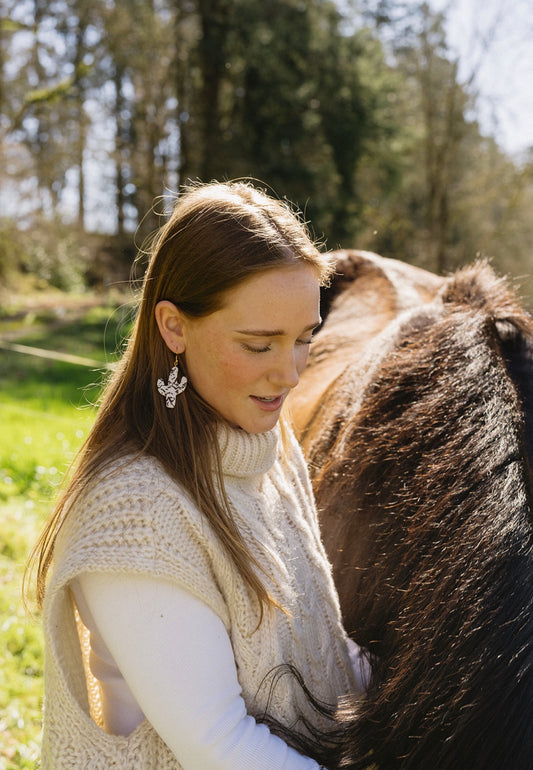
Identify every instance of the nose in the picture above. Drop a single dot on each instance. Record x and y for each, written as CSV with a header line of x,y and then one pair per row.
x,y
286,373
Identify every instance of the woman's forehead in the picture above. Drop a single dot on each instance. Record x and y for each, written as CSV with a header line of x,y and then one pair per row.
x,y
268,301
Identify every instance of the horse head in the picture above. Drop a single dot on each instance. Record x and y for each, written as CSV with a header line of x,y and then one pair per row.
x,y
421,448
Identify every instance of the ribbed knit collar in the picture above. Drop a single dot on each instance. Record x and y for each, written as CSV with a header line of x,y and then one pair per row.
x,y
247,454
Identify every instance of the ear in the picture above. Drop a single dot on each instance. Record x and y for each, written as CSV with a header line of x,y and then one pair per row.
x,y
170,323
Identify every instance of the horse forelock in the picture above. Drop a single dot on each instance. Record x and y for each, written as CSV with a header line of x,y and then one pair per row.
x,y
433,463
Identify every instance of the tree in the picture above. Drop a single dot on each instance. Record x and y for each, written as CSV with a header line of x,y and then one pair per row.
x,y
287,104
423,217
443,104
354,111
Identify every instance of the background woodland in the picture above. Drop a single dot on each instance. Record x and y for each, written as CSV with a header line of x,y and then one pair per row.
x,y
352,110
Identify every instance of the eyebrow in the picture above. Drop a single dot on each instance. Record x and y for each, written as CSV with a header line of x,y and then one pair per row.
x,y
274,332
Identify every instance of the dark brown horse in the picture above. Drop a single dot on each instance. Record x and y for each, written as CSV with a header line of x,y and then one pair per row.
x,y
416,414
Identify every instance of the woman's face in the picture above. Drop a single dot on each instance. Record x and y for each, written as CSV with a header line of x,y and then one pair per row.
x,y
244,358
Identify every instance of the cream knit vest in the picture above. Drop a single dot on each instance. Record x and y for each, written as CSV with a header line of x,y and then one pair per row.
x,y
139,520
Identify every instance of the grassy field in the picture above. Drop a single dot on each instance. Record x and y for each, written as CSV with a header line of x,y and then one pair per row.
x,y
46,410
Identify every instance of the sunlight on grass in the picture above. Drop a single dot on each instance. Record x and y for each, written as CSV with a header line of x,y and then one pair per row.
x,y
39,449
46,410
36,450
20,650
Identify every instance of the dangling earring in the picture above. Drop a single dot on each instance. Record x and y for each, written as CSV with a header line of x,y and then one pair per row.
x,y
173,388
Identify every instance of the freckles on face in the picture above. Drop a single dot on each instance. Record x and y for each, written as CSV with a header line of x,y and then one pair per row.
x,y
216,362
244,358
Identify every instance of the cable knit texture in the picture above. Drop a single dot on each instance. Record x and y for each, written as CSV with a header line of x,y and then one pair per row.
x,y
134,518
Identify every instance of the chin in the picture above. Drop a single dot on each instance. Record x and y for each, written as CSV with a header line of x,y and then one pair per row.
x,y
262,426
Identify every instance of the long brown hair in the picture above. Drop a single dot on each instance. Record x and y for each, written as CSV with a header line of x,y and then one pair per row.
x,y
217,236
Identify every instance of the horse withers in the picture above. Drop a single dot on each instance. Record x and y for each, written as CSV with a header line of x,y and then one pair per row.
x,y
415,413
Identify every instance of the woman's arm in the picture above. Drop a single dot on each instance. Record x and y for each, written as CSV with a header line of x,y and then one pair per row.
x,y
176,657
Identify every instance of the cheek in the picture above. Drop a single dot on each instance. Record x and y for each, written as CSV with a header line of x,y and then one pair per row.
x,y
235,368
301,358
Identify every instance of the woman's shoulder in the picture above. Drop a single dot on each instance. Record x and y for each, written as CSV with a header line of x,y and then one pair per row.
x,y
134,517
135,469
134,491
126,478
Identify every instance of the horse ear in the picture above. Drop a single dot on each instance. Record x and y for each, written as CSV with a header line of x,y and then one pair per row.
x,y
348,265
170,322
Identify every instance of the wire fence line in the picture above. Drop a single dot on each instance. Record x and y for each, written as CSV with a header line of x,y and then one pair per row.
x,y
55,355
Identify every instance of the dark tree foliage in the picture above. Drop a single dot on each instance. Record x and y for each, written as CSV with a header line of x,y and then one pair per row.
x,y
199,89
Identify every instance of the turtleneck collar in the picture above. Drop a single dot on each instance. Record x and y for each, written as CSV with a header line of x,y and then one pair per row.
x,y
247,454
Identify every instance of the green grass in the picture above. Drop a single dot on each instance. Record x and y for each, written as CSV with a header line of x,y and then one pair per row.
x,y
46,410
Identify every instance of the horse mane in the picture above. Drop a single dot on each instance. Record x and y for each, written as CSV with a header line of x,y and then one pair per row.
x,y
435,468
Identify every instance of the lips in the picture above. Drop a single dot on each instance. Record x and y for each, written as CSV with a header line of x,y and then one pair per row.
x,y
268,403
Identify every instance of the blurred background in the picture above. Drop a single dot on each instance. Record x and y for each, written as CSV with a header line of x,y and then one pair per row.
x,y
400,127
405,128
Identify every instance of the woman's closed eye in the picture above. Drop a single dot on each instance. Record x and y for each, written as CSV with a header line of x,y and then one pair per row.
x,y
253,349
266,348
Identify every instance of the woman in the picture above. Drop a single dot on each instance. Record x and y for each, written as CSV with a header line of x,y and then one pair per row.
x,y
186,543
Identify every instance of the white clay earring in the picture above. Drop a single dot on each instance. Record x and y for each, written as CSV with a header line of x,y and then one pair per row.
x,y
173,387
